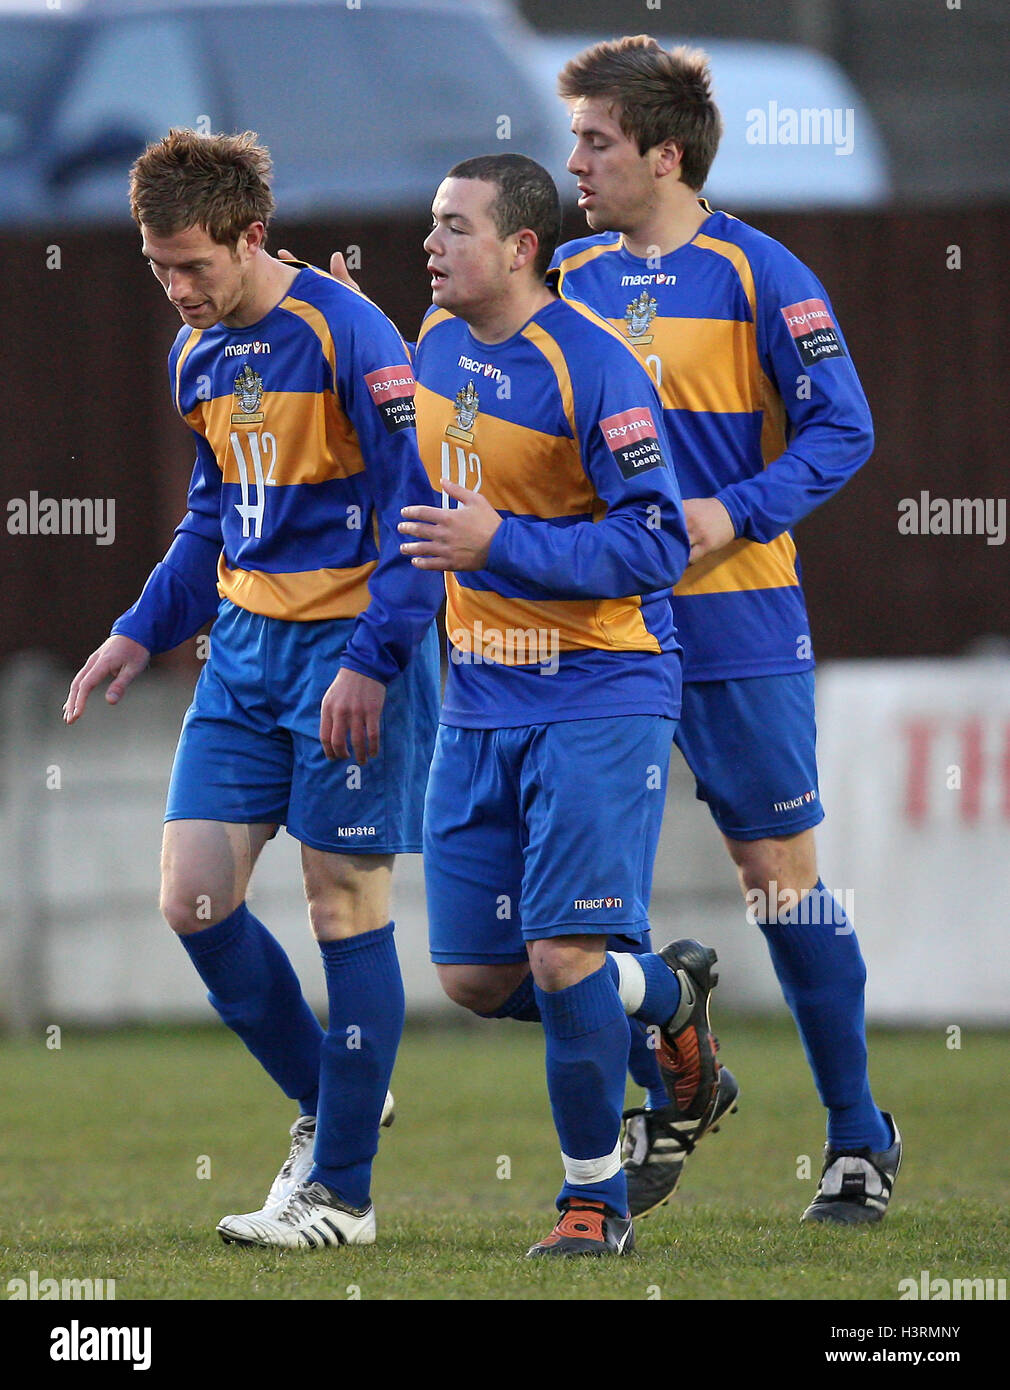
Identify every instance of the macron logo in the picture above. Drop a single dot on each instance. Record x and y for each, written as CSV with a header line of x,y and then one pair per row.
x,y
659,278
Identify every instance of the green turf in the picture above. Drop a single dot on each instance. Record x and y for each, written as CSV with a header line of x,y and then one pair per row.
x,y
101,1143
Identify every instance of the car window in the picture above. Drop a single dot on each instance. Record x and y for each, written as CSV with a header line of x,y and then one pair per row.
x,y
143,74
357,104
32,59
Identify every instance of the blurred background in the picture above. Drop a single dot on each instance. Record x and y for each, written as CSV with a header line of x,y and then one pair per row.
x,y
901,205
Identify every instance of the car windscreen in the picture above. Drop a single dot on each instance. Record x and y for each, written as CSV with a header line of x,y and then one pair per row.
x,y
33,62
374,105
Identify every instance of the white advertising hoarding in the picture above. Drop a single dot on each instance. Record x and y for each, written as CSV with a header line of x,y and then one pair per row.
x,y
915,779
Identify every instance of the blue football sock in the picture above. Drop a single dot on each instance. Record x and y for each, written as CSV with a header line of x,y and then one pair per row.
x,y
587,1038
643,1064
662,990
660,987
521,1004
820,968
254,988
366,1019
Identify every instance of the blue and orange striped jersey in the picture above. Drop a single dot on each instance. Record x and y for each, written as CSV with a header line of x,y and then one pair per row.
x,y
763,410
558,427
305,451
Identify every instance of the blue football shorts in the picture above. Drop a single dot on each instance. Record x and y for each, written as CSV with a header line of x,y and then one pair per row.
x,y
249,752
543,830
751,744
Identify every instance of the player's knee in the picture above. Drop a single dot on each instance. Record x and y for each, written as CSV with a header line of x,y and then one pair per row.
x,y
473,987
559,962
324,919
188,911
336,915
346,895
775,868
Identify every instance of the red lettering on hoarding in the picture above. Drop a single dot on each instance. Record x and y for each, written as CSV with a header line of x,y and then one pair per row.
x,y
968,778
971,770
920,738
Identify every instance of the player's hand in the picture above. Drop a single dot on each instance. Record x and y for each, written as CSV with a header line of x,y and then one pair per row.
x,y
118,657
338,267
339,271
708,526
457,539
350,712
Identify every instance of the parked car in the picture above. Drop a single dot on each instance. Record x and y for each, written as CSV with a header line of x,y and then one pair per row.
x,y
364,103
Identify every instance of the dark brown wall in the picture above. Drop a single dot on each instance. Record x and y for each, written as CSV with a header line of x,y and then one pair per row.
x,y
86,413
926,342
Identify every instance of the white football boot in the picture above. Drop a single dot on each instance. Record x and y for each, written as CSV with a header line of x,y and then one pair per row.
x,y
312,1217
296,1167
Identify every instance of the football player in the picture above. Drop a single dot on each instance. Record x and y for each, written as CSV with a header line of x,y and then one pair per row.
x,y
560,535
299,395
766,420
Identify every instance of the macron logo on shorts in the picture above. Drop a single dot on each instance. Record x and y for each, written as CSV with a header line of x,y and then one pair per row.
x,y
811,325
634,441
392,390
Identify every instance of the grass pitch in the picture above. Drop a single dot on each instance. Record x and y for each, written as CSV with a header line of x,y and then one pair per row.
x,y
121,1151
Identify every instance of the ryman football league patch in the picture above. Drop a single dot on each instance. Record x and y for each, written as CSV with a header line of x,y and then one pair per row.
x,y
810,324
392,391
633,441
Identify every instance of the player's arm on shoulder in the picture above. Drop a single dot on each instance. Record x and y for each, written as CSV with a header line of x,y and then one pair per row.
x,y
830,430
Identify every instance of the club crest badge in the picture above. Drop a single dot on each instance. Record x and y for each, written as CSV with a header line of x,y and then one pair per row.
x,y
467,405
637,317
248,390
